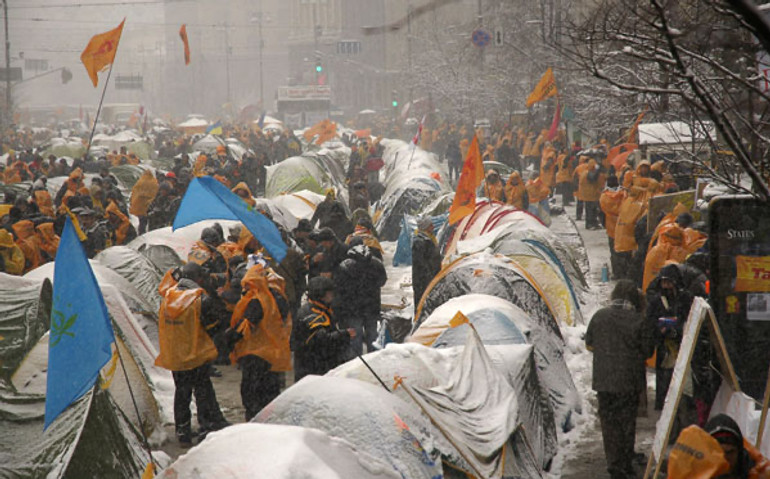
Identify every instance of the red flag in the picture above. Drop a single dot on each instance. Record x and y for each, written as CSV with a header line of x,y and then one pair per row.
x,y
634,129
183,36
418,135
555,123
464,202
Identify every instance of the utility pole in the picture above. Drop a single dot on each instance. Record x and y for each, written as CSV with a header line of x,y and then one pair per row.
x,y
227,60
409,48
261,64
8,100
480,17
316,34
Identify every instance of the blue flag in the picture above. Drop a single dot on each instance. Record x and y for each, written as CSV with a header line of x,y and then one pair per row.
x,y
81,335
208,199
261,122
215,129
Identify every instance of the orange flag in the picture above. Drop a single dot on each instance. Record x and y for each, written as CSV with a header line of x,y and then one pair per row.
x,y
470,179
100,52
183,36
325,129
634,129
545,88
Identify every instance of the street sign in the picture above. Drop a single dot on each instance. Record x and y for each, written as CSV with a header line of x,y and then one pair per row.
x,y
129,82
480,38
498,37
14,73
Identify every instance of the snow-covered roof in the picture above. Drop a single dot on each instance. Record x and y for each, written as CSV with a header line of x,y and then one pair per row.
x,y
674,132
194,123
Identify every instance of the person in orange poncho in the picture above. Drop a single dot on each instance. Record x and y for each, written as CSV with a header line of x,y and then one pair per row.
x,y
493,186
538,195
142,195
516,192
576,172
69,188
590,186
29,243
548,163
668,248
743,459
49,240
610,202
121,229
244,193
564,184
260,328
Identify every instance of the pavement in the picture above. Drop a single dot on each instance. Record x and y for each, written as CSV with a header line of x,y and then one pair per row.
x,y
586,456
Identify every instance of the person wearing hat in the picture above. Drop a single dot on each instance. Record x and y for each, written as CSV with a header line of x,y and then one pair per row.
x,y
11,257
426,258
332,253
745,461
163,208
493,187
317,341
301,234
331,213
96,233
668,305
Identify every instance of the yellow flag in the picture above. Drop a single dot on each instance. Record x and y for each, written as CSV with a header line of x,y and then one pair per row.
x,y
458,320
100,52
149,471
545,88
464,202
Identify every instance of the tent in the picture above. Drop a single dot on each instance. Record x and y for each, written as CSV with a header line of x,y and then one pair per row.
x,y
72,147
314,171
368,417
93,437
133,142
403,255
181,240
301,204
493,224
137,269
272,451
409,185
425,368
540,331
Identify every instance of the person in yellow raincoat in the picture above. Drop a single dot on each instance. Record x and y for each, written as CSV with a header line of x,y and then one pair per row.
x,y
29,243
260,329
142,195
669,248
548,163
244,193
493,186
49,240
609,202
11,255
516,192
187,314
121,229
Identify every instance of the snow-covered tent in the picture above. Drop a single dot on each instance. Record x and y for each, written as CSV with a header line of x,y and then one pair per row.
x,y
72,147
181,240
209,143
55,183
368,417
96,436
492,225
300,204
425,368
133,142
272,451
128,175
315,171
193,126
137,269
410,185
489,276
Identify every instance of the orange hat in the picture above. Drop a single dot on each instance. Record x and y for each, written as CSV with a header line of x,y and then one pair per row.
x,y
221,149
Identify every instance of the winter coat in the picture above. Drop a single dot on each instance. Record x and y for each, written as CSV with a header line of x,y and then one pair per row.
x,y
357,284
632,208
577,172
609,202
426,263
537,191
143,193
621,340
548,167
516,192
591,183
317,342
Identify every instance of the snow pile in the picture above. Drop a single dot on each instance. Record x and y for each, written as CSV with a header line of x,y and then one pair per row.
x,y
276,452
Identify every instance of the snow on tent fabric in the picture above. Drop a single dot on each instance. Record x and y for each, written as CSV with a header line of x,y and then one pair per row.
x,y
300,204
180,240
277,452
377,422
409,186
136,268
427,367
313,171
91,438
493,223
548,343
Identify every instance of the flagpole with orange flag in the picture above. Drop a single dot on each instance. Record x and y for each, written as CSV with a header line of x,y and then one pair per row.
x,y
185,41
99,53
464,202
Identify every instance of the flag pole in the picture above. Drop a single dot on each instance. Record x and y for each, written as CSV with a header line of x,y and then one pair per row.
x,y
101,101
145,441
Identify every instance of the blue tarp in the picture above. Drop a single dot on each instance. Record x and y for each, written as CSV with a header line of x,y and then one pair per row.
x,y
403,255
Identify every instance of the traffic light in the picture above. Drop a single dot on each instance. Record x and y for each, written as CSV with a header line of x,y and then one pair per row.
x,y
66,75
394,98
318,67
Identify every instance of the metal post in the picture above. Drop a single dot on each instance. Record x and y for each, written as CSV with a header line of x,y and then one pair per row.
x,y
409,48
8,100
316,31
261,65
227,60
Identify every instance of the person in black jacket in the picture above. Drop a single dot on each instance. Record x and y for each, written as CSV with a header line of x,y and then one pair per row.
x,y
668,305
331,213
318,343
357,302
426,258
621,340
